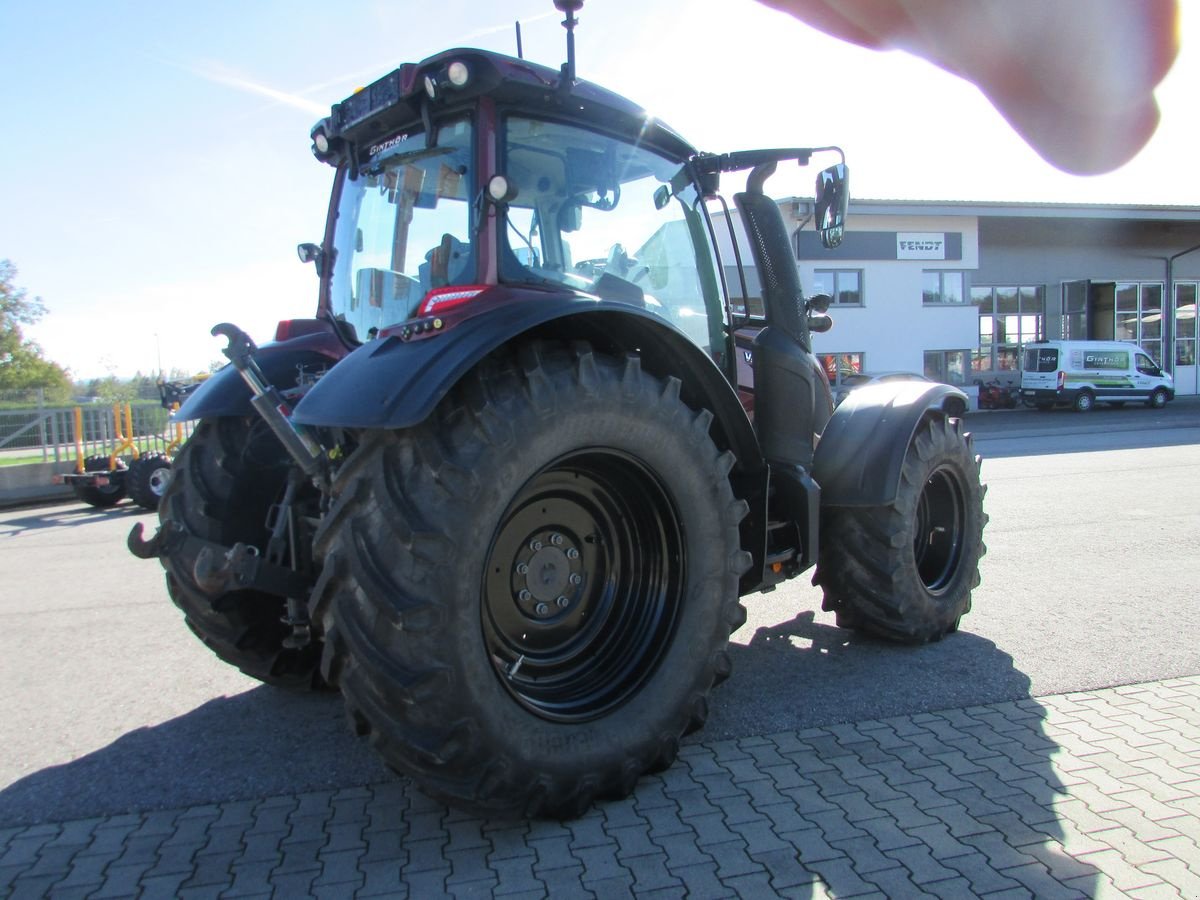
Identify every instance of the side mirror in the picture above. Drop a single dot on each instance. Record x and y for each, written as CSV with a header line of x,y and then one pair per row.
x,y
570,216
833,200
818,303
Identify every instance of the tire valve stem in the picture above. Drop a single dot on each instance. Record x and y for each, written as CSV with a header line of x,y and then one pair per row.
x,y
515,667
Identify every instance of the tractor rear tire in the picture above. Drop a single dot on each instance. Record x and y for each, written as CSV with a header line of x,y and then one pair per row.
x,y
905,571
102,497
223,483
528,597
147,479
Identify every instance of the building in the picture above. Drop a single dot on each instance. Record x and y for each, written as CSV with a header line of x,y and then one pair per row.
x,y
953,289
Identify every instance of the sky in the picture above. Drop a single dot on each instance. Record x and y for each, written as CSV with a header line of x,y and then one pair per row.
x,y
155,173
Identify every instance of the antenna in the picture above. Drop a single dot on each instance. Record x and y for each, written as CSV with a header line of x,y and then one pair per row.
x,y
520,55
570,7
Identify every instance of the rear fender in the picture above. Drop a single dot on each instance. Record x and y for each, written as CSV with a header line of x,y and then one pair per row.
x,y
861,452
392,383
226,394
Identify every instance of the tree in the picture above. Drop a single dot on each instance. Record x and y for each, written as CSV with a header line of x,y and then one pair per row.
x,y
22,363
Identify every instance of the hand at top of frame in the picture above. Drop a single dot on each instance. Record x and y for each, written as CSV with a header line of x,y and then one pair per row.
x,y
1075,79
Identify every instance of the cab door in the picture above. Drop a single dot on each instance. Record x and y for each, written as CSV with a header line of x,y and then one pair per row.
x,y
1146,375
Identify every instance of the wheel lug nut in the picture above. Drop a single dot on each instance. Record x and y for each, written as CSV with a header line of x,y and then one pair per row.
x,y
572,553
556,539
541,609
522,568
563,602
535,546
576,578
524,596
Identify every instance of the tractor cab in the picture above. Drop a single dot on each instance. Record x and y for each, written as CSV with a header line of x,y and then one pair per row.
x,y
473,180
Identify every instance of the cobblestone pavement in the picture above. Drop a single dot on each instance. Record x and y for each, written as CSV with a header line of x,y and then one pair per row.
x,y
1079,795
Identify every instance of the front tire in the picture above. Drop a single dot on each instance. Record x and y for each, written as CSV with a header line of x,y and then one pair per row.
x,y
528,597
1158,399
224,481
905,572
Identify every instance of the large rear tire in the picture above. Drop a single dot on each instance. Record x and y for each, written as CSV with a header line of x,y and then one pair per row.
x,y
224,481
147,479
906,571
527,598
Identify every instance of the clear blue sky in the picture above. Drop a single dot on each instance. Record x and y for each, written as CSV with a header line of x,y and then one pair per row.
x,y
155,174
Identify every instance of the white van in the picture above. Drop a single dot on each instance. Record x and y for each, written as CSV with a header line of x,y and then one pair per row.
x,y
1083,373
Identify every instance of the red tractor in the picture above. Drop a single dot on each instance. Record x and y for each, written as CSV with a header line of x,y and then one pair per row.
x,y
505,490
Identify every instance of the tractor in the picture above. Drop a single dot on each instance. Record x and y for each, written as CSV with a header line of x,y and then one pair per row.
x,y
506,489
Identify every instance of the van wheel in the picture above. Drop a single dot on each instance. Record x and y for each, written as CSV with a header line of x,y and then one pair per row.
x,y
1158,399
1084,401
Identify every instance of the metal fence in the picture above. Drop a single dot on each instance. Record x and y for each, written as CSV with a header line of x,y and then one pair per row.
x,y
34,432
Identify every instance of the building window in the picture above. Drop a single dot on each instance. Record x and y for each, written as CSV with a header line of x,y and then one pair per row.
x,y
949,366
938,286
1139,312
1008,318
844,286
1185,324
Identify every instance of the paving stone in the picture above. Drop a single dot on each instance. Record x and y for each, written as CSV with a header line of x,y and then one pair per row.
x,y
1040,883
759,834
864,855
984,879
632,841
700,881
619,815
565,883
665,821
811,845
682,850
1124,876
784,867
840,877
339,867
835,826
381,878
515,873
250,878
895,883
427,884
614,886
650,873
1175,872
737,810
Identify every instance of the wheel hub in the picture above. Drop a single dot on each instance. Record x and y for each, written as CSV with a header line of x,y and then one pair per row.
x,y
548,576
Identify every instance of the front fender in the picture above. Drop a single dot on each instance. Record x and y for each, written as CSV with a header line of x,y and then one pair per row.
x,y
861,452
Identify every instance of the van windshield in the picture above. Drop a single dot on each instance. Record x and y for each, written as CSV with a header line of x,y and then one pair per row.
x,y
1040,359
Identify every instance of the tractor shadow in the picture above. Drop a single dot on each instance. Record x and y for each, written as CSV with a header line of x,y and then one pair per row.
x,y
974,785
70,514
942,739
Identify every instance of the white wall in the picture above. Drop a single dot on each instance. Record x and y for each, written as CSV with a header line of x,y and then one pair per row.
x,y
894,328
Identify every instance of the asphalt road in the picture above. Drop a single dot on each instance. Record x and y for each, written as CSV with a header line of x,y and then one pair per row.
x,y
108,704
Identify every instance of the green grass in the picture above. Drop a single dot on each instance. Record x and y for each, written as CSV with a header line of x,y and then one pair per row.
x,y
22,460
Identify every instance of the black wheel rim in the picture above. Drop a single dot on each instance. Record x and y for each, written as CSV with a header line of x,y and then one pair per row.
x,y
583,585
938,537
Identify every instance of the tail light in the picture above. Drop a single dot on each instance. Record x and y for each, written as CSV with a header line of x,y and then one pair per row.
x,y
1062,379
443,299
